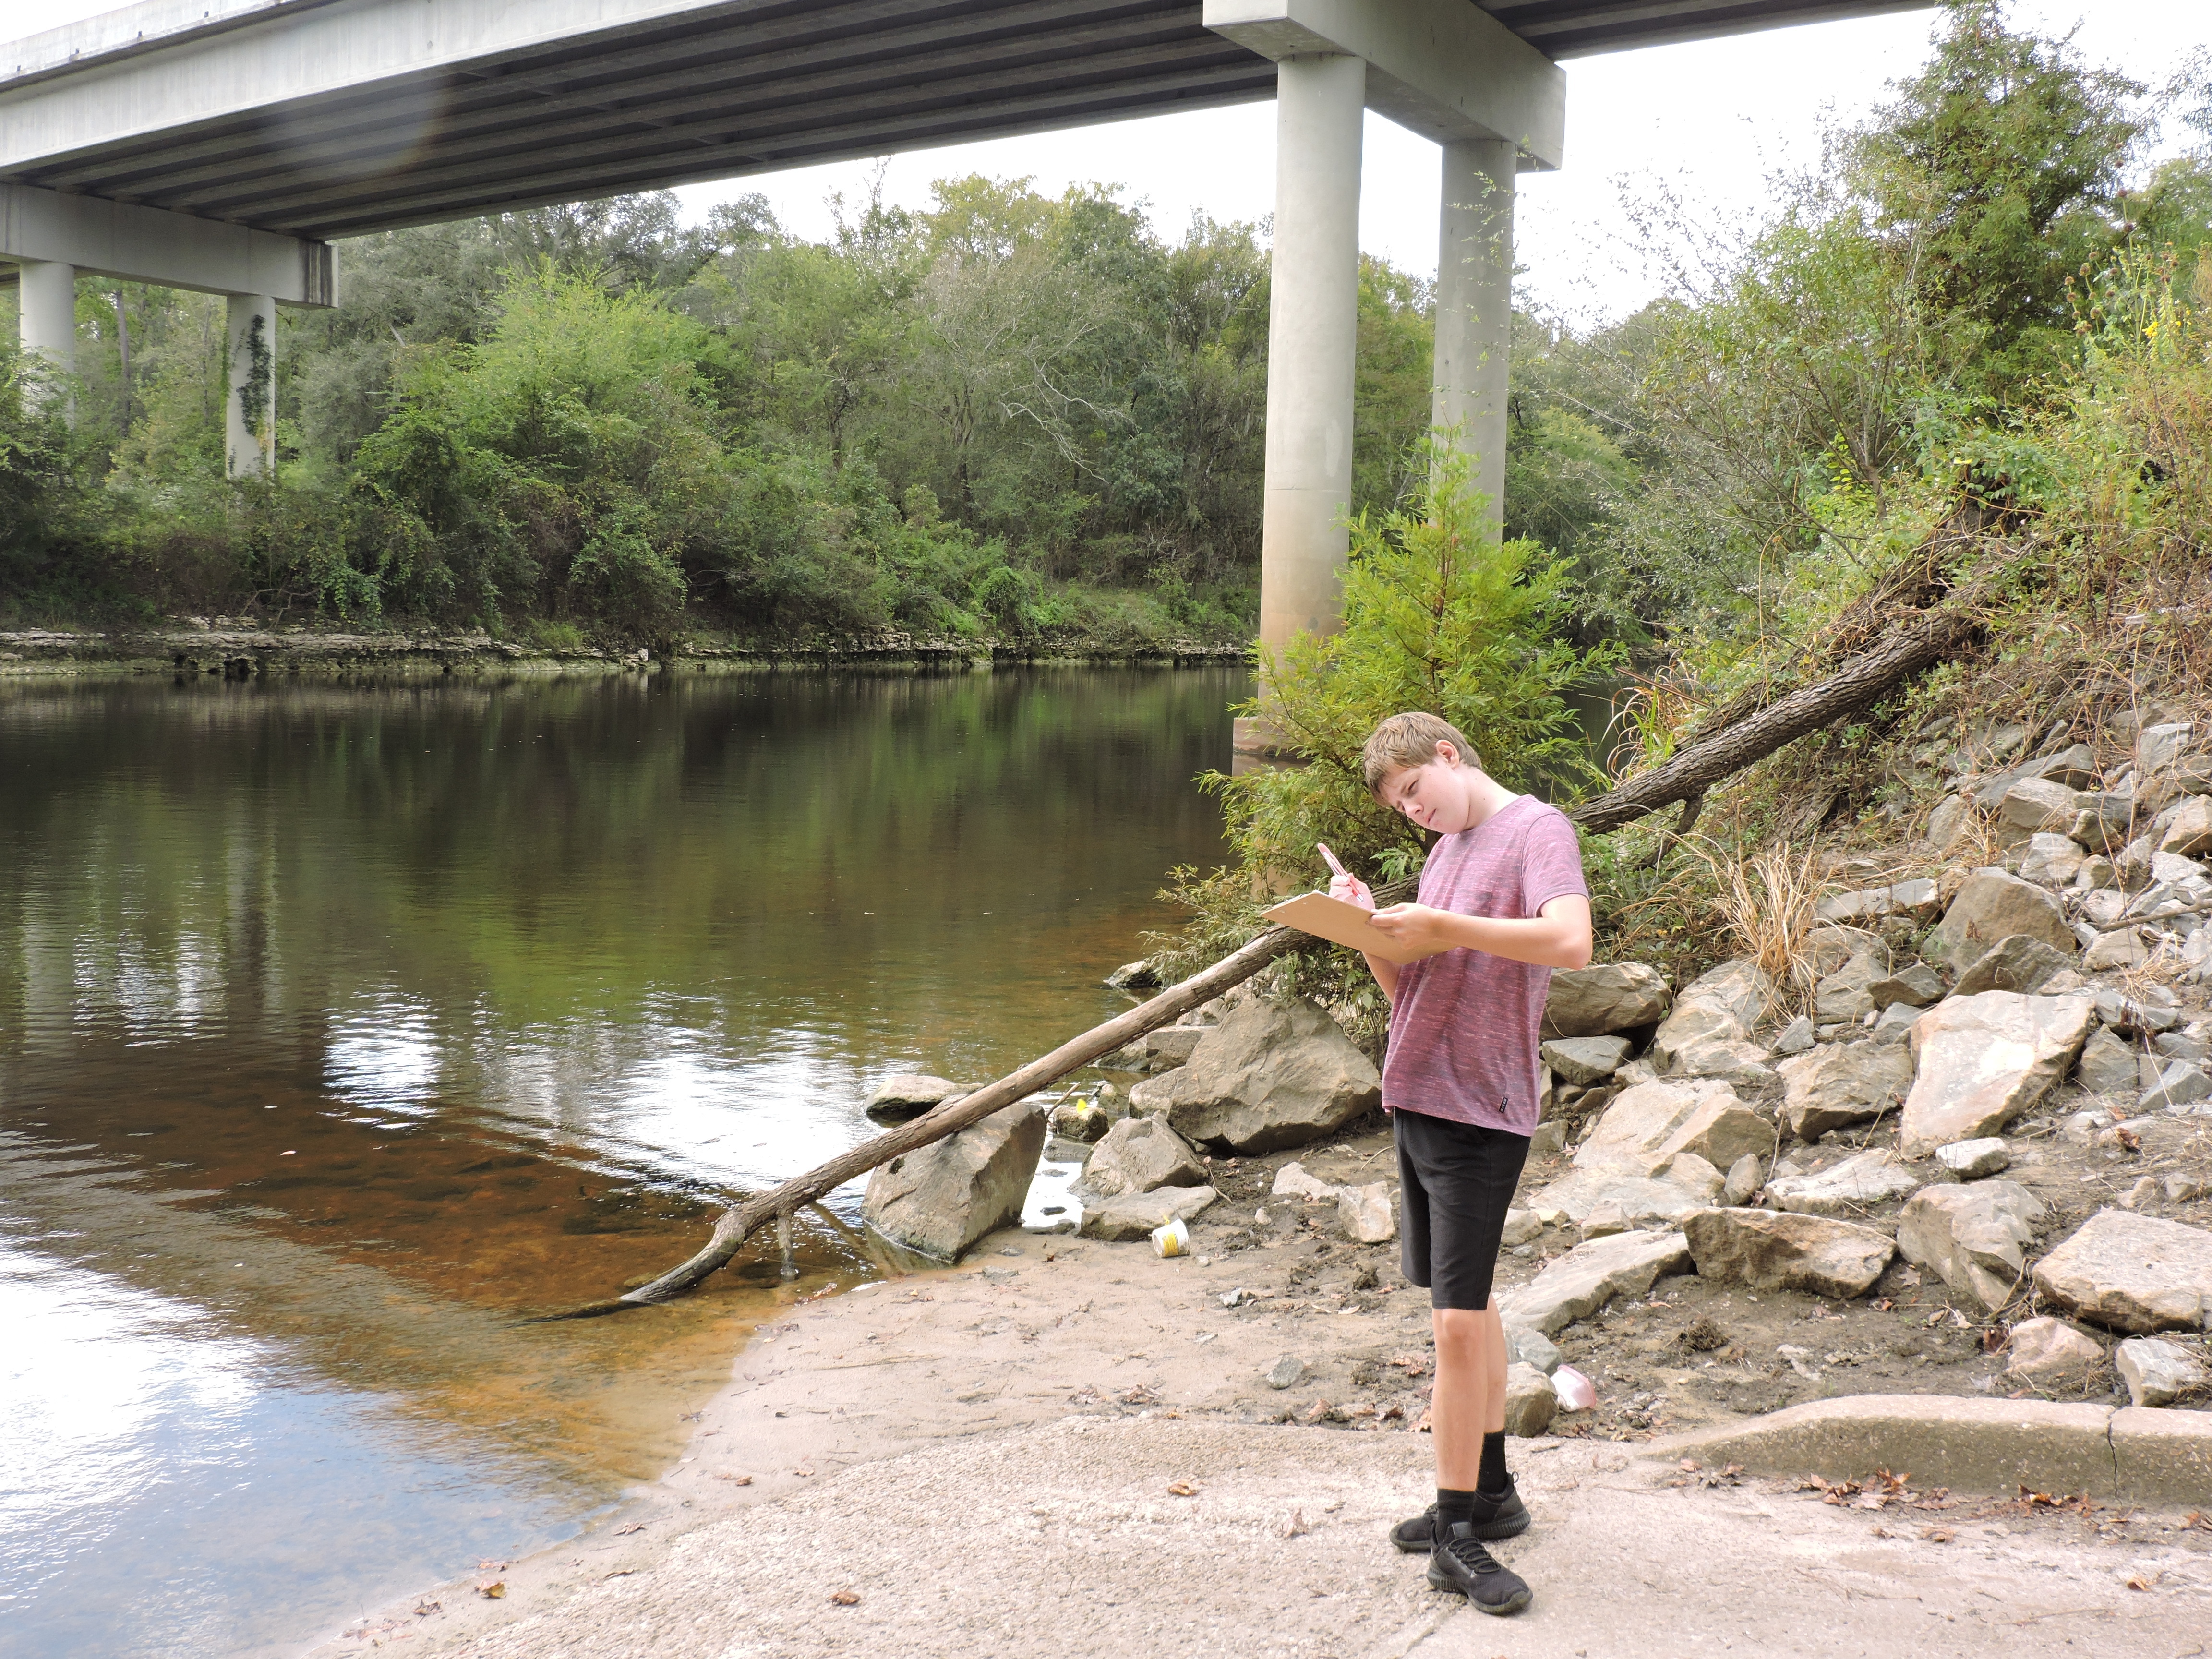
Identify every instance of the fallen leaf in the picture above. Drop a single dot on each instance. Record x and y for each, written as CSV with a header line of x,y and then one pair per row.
x,y
845,1598
1937,1535
804,1474
493,1588
2141,1581
634,1526
619,1572
1183,1489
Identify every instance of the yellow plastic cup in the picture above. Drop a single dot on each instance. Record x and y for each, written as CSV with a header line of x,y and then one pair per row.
x,y
1174,1239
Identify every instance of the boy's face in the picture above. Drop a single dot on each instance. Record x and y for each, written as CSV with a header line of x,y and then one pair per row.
x,y
1434,794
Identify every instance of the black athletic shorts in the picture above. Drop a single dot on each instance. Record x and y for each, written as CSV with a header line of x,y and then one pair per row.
x,y
1454,1181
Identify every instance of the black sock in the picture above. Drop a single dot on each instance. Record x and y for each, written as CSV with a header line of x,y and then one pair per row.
x,y
1453,1506
1492,1478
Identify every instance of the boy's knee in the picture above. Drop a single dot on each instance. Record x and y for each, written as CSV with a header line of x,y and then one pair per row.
x,y
1465,1327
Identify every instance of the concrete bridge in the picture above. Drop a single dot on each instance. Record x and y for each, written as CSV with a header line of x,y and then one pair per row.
x,y
223,145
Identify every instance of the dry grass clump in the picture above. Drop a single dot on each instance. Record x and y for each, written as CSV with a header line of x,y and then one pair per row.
x,y
1767,902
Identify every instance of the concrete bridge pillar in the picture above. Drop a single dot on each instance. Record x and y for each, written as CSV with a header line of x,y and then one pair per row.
x,y
1312,337
1475,307
46,315
250,418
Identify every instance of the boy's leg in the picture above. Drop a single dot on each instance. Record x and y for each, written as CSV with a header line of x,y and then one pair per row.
x,y
1469,1401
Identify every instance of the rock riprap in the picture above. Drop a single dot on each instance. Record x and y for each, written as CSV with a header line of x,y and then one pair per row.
x,y
910,1095
1271,1075
1993,906
1598,1001
939,1198
1845,1189
1772,1251
1842,1082
2050,1350
2016,962
1721,1005
1976,1237
2158,1373
2137,1273
1584,1061
1915,987
1980,1061
1645,1127
1132,1215
1579,1283
1970,1160
1531,1402
1138,1154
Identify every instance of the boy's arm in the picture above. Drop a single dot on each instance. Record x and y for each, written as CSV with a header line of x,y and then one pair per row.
x,y
1557,936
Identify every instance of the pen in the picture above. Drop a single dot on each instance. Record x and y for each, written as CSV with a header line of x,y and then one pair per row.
x,y
1322,848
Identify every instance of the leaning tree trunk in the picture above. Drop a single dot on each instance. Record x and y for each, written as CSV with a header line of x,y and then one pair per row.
x,y
1859,683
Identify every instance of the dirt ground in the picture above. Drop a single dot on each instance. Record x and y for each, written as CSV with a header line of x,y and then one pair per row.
x,y
1047,1336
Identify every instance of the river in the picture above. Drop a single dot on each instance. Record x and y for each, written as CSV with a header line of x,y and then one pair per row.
x,y
343,1027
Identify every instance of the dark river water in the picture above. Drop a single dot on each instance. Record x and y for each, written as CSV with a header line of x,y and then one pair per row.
x,y
341,1026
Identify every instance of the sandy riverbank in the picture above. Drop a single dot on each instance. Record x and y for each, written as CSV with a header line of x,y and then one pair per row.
x,y
984,1457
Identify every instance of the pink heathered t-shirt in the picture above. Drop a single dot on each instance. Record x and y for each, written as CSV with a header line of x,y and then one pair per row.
x,y
1463,1042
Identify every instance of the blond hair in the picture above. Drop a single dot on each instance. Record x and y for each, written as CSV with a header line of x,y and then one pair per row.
x,y
1410,739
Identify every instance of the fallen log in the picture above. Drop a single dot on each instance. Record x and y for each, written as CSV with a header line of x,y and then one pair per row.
x,y
1860,684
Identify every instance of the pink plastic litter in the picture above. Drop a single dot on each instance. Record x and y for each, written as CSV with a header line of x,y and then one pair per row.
x,y
1577,1392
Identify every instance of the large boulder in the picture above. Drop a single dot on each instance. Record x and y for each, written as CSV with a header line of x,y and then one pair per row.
x,y
1842,1082
1576,1285
1980,1061
1270,1075
1772,1251
2018,962
1132,1215
907,1096
1645,1127
1598,1001
1723,1005
1976,1237
2132,1273
939,1198
1845,1189
1138,1154
1993,906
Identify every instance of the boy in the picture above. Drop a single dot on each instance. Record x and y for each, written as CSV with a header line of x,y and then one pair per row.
x,y
1503,885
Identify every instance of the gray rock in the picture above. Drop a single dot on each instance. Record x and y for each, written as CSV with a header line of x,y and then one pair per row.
x,y
1723,1061
1980,1061
2075,768
1364,1213
2132,1273
2116,951
1841,1084
2190,829
2158,1373
1975,1238
1160,1050
1585,1061
2102,825
1843,995
2018,963
1915,987
909,1096
1745,1178
1971,1160
1794,1038
1522,1227
1850,1188
1549,1140
2179,1083
1295,1180
2037,803
1772,1251
1579,1283
1287,1372
1944,823
1993,906
2052,860
2179,1045
2107,1065
1080,1120
1530,1401
1135,976
1134,1215
2183,1189
1722,1005
2132,1016
1694,1175
1526,1345
1597,1002
1645,1127
1136,1155
2158,747
1270,1075
1895,1028
2049,1350
939,1198
1057,1151
1916,897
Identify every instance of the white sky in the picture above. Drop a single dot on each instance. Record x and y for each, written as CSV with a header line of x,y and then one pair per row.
x,y
1712,121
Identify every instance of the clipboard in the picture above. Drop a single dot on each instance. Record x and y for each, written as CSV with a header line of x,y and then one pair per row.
x,y
1341,923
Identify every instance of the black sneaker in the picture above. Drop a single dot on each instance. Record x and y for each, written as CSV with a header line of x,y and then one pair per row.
x,y
1507,1518
1462,1564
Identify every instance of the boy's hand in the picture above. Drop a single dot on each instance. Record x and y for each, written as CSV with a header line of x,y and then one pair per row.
x,y
1352,891
1412,924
